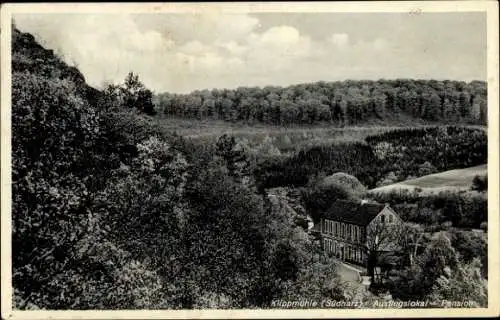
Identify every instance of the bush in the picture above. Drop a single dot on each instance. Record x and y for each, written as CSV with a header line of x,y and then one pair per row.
x,y
426,168
480,183
347,181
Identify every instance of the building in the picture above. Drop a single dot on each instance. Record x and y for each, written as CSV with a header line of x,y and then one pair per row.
x,y
348,228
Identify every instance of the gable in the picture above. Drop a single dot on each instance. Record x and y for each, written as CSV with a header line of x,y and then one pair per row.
x,y
388,215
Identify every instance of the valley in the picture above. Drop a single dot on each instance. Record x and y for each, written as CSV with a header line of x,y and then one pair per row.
x,y
128,199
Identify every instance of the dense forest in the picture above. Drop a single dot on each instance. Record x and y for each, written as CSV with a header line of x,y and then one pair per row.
x,y
396,155
110,211
337,103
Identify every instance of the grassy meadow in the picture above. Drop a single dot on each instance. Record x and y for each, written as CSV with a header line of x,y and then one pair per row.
x,y
451,180
284,138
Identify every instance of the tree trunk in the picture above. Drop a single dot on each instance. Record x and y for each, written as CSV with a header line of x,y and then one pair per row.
x,y
372,263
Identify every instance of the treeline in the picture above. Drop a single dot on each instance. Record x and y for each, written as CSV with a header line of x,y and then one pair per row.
x,y
398,154
338,103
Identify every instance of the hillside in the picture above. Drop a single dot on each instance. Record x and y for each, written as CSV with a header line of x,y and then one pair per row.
x,y
451,180
30,57
111,212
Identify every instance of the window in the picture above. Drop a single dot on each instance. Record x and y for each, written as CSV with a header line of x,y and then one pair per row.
x,y
390,218
382,218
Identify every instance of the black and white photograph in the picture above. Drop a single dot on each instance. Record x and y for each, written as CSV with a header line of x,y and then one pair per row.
x,y
319,159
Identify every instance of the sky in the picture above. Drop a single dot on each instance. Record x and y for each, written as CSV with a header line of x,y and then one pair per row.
x,y
181,52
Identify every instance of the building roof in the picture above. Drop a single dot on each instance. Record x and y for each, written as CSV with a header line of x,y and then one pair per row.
x,y
353,212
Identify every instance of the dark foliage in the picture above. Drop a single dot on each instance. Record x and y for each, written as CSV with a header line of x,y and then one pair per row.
x,y
470,245
356,159
56,167
319,198
480,183
404,151
465,210
401,153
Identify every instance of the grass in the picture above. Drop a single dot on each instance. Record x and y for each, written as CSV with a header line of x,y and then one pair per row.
x,y
459,179
285,139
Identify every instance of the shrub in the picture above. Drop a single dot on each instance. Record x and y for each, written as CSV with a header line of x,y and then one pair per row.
x,y
347,181
480,183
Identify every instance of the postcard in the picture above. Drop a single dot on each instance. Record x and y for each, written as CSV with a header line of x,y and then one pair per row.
x,y
250,160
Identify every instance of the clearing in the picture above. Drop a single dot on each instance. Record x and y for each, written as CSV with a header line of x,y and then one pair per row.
x,y
452,180
284,138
